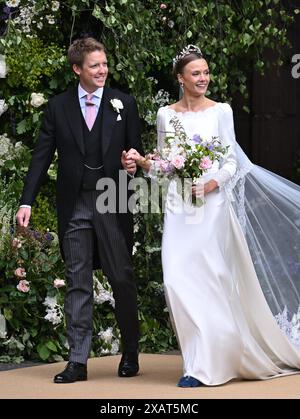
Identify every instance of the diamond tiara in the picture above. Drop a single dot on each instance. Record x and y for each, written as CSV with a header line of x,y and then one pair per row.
x,y
190,49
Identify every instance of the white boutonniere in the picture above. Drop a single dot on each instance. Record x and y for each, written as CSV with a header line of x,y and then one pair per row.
x,y
117,105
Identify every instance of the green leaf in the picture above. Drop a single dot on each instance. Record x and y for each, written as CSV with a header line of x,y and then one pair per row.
x,y
33,332
53,84
22,127
8,314
43,351
35,117
97,13
51,345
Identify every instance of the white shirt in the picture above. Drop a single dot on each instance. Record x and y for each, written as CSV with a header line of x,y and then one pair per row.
x,y
96,99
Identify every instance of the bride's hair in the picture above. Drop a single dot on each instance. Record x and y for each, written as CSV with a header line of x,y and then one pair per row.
x,y
185,56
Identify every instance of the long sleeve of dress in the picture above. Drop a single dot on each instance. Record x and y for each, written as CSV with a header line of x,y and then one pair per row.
x,y
228,164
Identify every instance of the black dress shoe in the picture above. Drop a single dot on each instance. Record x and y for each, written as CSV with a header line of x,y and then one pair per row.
x,y
129,364
74,371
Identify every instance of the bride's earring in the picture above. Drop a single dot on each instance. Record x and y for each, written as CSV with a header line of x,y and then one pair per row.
x,y
181,89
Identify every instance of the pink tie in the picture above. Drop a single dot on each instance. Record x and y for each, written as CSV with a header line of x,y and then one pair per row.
x,y
90,111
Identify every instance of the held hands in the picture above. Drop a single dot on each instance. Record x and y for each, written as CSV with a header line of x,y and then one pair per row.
x,y
23,216
133,157
128,162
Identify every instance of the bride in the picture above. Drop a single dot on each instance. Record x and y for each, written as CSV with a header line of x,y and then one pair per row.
x,y
232,275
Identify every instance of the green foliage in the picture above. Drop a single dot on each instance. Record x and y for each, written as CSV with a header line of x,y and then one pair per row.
x,y
32,257
44,209
42,62
141,38
14,160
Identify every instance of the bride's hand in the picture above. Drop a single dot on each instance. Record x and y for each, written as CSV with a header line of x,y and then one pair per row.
x,y
210,186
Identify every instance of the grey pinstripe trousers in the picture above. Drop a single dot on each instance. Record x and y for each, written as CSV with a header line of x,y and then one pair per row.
x,y
87,225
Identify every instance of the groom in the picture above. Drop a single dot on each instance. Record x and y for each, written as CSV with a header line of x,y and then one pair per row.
x,y
91,127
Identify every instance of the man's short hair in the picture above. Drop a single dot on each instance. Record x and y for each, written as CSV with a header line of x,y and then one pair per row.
x,y
81,47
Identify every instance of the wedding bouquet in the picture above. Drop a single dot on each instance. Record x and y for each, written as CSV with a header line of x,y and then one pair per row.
x,y
186,158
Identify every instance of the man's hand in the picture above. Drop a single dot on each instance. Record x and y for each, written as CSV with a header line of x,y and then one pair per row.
x,y
23,216
128,162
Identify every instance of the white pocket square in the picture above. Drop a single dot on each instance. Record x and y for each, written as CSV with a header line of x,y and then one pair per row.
x,y
119,118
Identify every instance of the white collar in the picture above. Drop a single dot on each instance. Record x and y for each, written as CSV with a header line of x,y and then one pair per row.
x,y
82,93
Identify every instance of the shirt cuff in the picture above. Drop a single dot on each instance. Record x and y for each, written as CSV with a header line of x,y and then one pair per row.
x,y
131,175
25,206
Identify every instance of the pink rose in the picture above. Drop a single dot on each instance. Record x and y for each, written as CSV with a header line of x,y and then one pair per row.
x,y
58,283
16,243
163,6
178,162
23,285
205,163
20,272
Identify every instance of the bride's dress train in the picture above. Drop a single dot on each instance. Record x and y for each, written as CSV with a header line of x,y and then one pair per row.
x,y
230,267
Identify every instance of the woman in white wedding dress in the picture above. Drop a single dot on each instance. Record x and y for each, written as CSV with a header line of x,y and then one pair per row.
x,y
212,256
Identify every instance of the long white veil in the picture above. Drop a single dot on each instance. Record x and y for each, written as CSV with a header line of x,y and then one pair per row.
x,y
268,208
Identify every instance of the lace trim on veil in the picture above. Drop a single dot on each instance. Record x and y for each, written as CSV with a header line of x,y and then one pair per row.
x,y
291,328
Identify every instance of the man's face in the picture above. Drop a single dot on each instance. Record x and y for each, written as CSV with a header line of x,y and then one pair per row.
x,y
93,72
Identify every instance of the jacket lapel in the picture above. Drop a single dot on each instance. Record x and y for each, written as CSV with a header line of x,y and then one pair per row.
x,y
73,114
109,119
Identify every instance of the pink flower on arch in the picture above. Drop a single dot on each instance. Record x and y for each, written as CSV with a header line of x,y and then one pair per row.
x,y
163,6
58,283
23,286
20,273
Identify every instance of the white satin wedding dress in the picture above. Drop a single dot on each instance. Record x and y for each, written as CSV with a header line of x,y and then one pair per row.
x,y
222,321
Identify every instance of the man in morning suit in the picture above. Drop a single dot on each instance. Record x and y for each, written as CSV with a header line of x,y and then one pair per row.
x,y
91,127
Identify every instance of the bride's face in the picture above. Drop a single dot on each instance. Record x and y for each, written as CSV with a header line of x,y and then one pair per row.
x,y
195,77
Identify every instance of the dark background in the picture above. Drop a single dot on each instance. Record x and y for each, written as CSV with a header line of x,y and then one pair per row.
x,y
270,133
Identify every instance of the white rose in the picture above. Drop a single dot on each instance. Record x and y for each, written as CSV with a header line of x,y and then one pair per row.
x,y
3,106
55,6
12,3
37,100
106,335
3,67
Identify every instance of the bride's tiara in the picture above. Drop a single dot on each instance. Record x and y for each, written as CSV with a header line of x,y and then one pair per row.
x,y
190,49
